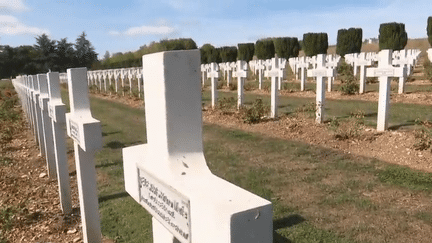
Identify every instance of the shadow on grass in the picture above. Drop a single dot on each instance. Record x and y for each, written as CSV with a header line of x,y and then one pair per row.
x,y
104,134
396,127
289,221
113,196
114,145
103,165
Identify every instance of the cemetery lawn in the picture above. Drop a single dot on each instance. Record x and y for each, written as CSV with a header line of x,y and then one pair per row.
x,y
320,194
323,189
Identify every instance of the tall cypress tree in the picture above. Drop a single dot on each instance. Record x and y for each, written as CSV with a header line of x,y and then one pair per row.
x,y
349,41
392,36
429,29
85,54
315,43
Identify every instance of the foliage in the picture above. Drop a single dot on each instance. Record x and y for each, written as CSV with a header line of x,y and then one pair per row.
x,y
392,36
206,51
429,29
255,113
228,53
226,105
349,41
85,53
286,47
246,51
349,129
264,49
315,43
349,85
215,56
428,69
134,59
423,139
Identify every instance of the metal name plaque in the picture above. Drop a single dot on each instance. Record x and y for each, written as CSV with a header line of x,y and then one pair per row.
x,y
384,72
51,111
167,205
74,130
319,73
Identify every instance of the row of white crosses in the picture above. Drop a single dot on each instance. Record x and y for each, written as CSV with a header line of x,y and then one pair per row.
x,y
238,70
41,98
169,176
103,79
258,67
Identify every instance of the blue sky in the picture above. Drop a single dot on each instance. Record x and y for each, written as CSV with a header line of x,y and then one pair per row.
x,y
125,25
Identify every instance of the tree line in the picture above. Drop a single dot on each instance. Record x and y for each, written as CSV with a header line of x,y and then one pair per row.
x,y
46,55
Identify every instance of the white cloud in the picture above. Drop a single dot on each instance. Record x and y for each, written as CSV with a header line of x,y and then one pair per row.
x,y
14,5
149,30
114,32
159,28
9,25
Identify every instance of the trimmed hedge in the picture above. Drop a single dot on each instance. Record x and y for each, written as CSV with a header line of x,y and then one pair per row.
x,y
215,56
229,53
206,52
349,41
264,49
315,43
392,36
429,29
286,47
246,51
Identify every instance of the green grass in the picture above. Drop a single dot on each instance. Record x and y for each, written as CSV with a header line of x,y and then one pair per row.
x,y
401,115
304,182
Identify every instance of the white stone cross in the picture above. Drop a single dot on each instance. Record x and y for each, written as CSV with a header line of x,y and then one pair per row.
x,y
57,112
241,72
281,67
169,176
46,125
362,62
204,73
123,73
38,117
87,135
320,73
273,71
303,65
213,74
260,67
404,61
384,72
229,67
30,92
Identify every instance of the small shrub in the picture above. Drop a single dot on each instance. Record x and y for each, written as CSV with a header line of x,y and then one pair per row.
x,y
227,105
255,113
220,84
349,85
423,139
359,114
249,86
310,107
428,69
352,128
233,86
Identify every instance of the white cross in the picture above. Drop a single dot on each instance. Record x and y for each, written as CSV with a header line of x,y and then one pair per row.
x,y
303,65
57,112
241,74
37,112
46,125
320,73
363,62
204,73
260,67
169,176
213,74
384,71
87,135
273,71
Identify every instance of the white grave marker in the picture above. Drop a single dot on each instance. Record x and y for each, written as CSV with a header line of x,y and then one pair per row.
x,y
320,73
273,71
169,176
87,135
384,71
57,112
46,125
241,74
213,74
303,65
37,111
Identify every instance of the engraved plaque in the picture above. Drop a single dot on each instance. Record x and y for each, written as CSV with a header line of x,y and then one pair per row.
x,y
167,205
319,73
74,131
384,72
51,111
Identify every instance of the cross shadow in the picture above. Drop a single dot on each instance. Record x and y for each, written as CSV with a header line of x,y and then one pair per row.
x,y
113,196
289,221
396,127
104,134
103,165
114,145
